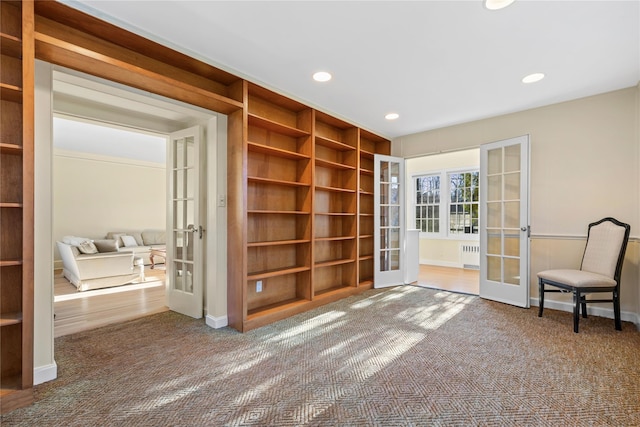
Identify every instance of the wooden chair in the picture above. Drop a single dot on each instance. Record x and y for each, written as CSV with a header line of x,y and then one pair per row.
x,y
600,270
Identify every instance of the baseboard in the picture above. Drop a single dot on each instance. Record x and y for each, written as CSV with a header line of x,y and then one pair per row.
x,y
57,264
441,263
42,374
594,310
217,322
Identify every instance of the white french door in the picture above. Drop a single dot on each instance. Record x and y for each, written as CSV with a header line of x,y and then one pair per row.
x,y
388,221
184,275
504,221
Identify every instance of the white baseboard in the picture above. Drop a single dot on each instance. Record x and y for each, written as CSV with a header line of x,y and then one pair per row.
x,y
441,263
42,374
57,264
217,322
594,310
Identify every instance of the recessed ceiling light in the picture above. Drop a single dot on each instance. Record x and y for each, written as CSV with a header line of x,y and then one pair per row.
x,y
532,78
322,76
497,4
392,116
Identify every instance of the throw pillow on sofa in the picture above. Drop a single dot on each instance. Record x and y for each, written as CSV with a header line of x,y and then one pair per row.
x,y
128,241
106,245
87,247
118,236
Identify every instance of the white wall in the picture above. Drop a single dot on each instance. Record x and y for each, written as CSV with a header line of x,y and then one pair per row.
x,y
216,264
45,368
96,194
584,166
442,251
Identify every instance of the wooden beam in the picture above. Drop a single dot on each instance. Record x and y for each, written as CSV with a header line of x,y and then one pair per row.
x,y
93,26
60,52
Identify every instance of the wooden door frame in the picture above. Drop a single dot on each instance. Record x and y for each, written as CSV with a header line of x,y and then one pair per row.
x,y
78,41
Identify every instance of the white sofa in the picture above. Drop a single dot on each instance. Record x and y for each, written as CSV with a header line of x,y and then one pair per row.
x,y
140,243
97,270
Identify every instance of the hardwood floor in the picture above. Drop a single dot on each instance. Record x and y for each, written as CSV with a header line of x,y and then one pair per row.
x,y
80,311
449,279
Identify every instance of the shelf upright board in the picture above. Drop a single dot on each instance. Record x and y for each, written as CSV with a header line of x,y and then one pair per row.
x,y
16,204
237,214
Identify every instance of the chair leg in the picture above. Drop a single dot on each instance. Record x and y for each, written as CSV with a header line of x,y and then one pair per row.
x,y
541,297
583,302
576,310
616,310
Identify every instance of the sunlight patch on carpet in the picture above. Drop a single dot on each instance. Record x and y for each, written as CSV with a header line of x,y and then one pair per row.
x,y
445,306
106,291
320,322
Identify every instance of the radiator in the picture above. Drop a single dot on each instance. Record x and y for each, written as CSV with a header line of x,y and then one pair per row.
x,y
470,256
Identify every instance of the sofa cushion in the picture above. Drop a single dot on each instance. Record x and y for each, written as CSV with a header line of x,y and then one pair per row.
x,y
129,241
117,235
87,247
106,245
135,249
138,236
74,241
154,237
74,251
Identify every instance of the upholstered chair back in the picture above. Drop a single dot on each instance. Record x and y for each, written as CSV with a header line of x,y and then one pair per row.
x,y
603,248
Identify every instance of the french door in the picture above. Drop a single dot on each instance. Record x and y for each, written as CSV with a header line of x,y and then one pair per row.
x,y
388,221
184,222
504,221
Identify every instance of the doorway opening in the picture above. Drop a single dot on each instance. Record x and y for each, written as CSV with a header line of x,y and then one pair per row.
x,y
126,170
443,203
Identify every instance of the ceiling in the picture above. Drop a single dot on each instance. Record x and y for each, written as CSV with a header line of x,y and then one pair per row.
x,y
435,63
94,138
94,116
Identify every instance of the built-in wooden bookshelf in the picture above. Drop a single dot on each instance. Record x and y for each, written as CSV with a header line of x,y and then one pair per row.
x,y
16,204
299,181
279,204
295,222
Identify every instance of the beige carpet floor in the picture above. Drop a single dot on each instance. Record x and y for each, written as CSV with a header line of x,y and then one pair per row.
x,y
394,357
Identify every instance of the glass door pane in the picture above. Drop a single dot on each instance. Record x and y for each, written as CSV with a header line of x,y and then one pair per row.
x,y
503,215
504,221
389,214
184,214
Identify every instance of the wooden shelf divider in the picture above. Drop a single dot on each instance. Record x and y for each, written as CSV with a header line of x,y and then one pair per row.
x,y
16,202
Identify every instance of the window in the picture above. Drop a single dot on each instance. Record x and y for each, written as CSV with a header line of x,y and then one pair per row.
x,y
462,205
428,203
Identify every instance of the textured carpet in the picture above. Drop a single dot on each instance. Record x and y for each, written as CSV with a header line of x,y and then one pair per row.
x,y
401,356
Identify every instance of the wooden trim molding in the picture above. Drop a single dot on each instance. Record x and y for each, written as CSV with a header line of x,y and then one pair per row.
x,y
633,239
63,37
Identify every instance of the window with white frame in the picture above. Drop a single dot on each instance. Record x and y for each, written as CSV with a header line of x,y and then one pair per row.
x,y
434,210
464,203
428,203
